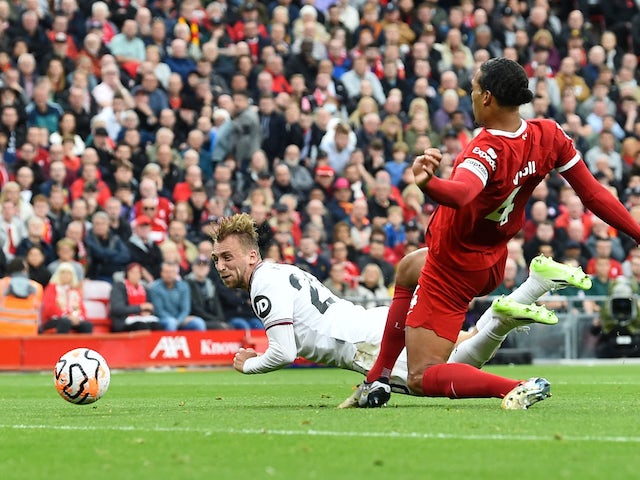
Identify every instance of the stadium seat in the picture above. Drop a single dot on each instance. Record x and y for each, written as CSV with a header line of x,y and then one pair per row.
x,y
96,294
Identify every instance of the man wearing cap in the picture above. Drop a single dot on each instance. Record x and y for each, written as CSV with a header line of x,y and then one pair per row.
x,y
249,11
62,48
339,207
324,176
392,17
508,23
143,249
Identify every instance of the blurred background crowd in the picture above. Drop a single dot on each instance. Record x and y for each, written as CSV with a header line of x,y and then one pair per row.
x,y
127,127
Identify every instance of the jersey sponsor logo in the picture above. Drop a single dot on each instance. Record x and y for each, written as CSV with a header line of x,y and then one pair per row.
x,y
490,156
262,306
530,169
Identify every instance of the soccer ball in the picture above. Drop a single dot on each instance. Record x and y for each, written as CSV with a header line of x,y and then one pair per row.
x,y
81,376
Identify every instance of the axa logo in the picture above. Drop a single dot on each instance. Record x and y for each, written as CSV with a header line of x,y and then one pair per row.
x,y
171,347
489,156
530,169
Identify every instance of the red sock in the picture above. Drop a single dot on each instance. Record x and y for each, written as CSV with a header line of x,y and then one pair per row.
x,y
458,380
393,338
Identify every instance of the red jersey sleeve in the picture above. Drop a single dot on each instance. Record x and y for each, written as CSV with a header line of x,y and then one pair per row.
x,y
567,155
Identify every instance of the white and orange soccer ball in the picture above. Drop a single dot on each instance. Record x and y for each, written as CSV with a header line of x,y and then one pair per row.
x,y
81,376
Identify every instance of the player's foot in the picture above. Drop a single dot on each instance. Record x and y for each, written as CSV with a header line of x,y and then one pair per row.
x,y
526,394
369,395
558,275
375,394
521,313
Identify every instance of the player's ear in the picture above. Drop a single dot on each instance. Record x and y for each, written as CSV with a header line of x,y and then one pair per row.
x,y
487,97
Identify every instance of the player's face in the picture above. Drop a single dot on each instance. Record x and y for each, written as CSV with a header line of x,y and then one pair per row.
x,y
233,263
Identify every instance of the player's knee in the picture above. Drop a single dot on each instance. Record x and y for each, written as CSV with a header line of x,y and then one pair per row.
x,y
414,382
409,267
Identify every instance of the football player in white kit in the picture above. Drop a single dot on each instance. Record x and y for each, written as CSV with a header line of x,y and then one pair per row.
x,y
302,318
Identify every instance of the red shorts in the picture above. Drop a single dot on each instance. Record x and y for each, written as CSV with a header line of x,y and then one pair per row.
x,y
441,300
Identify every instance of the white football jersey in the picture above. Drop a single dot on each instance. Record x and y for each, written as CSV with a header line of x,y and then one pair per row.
x,y
327,328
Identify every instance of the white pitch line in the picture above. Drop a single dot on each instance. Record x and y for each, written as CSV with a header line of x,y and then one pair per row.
x,y
328,433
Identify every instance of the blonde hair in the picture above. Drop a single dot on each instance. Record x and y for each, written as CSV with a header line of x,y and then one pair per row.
x,y
412,188
392,120
418,104
65,267
375,268
365,105
546,37
240,225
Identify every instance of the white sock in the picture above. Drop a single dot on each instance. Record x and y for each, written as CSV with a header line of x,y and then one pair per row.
x,y
477,350
529,292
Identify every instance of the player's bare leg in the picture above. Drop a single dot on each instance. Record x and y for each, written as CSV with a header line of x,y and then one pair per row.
x,y
430,376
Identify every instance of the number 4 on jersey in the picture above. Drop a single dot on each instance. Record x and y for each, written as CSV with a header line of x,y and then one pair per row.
x,y
501,214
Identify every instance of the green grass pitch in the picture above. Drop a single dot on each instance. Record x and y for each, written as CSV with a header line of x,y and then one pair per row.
x,y
219,424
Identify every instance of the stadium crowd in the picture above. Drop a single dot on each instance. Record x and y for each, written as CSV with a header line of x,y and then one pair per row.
x,y
126,127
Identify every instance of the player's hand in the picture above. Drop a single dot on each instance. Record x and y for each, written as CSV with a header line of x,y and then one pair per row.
x,y
241,356
425,166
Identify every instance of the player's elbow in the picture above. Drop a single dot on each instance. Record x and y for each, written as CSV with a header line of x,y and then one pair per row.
x,y
288,357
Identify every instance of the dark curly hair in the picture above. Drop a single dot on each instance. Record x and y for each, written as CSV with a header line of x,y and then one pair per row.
x,y
507,82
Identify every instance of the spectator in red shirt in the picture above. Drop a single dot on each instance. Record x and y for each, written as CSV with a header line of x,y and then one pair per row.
x,y
192,178
149,190
89,181
248,13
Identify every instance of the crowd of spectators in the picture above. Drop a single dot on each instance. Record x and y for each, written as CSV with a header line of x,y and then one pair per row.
x,y
127,127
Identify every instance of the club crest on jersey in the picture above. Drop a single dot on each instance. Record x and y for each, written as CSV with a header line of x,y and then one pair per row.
x,y
490,156
262,306
530,169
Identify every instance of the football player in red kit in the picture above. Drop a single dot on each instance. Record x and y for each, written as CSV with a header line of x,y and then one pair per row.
x,y
481,207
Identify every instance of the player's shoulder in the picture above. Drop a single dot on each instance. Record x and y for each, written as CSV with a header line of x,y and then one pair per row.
x,y
547,126
269,270
485,148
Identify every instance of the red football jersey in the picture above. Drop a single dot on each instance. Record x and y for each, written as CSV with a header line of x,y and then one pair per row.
x,y
510,164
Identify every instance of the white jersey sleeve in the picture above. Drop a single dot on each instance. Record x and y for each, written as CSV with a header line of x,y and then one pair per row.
x,y
282,351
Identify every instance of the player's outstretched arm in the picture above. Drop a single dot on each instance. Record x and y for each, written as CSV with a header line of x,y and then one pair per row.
x,y
600,201
282,351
